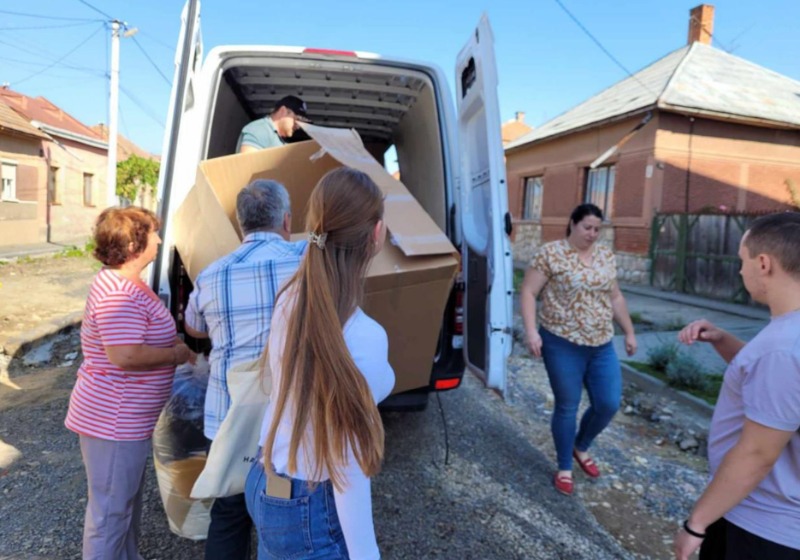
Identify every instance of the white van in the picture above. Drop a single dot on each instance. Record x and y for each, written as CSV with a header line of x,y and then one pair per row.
x,y
453,165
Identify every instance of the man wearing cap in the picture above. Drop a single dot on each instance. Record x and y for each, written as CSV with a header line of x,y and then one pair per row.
x,y
272,130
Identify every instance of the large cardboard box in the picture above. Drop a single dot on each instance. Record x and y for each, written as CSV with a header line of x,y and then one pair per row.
x,y
408,283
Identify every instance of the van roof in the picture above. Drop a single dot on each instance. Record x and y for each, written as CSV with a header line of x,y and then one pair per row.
x,y
349,89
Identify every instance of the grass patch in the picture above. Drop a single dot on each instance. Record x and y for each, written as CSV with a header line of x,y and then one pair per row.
x,y
77,252
709,393
637,319
674,324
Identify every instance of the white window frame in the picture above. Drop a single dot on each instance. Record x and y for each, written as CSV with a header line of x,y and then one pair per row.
x,y
54,185
88,202
599,191
8,184
532,194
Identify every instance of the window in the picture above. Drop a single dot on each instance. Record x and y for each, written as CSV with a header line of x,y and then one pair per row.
x,y
532,199
53,187
8,176
600,188
88,199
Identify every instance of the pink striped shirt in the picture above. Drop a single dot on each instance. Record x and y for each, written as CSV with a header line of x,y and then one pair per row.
x,y
107,401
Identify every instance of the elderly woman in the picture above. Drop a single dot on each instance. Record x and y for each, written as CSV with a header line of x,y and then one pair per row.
x,y
577,279
130,350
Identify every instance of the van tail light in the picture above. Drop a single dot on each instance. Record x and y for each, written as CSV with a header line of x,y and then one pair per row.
x,y
445,384
458,311
329,52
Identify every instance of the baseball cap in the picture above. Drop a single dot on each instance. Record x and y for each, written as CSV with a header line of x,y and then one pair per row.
x,y
295,105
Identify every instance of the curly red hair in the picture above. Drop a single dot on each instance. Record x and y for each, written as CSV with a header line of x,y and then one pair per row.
x,y
120,234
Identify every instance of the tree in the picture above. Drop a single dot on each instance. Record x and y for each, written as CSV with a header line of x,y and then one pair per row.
x,y
135,173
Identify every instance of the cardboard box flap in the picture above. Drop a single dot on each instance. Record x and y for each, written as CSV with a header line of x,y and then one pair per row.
x,y
204,231
410,227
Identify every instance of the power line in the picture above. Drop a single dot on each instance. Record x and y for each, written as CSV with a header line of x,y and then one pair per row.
x,y
38,16
600,45
79,45
151,61
99,11
158,41
59,26
28,64
707,30
146,110
49,58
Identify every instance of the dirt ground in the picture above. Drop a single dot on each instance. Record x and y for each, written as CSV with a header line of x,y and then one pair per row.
x,y
38,290
34,291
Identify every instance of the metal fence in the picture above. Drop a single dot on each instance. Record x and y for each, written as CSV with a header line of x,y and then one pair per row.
x,y
698,254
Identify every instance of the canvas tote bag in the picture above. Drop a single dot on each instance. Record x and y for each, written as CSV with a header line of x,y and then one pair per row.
x,y
235,446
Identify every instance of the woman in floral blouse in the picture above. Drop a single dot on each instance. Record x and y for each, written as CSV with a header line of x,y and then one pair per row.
x,y
577,280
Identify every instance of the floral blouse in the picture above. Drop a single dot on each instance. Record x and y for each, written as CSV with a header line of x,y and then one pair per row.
x,y
576,300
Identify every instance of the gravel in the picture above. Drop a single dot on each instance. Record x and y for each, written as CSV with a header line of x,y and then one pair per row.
x,y
480,489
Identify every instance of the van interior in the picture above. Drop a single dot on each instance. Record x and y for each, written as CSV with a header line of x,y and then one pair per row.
x,y
389,106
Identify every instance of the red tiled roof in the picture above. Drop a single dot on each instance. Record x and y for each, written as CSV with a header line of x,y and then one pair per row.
x,y
42,110
11,121
125,147
514,129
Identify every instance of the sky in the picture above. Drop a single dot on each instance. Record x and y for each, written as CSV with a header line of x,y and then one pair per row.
x,y
546,62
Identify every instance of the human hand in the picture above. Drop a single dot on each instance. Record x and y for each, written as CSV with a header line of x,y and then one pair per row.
x,y
630,344
685,545
183,354
534,343
701,330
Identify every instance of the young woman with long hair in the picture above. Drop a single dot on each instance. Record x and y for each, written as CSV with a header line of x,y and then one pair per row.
x,y
322,436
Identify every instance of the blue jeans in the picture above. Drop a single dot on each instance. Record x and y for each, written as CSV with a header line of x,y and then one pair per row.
x,y
569,367
305,526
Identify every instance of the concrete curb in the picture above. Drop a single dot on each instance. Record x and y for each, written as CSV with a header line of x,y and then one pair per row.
x,y
696,301
20,343
653,385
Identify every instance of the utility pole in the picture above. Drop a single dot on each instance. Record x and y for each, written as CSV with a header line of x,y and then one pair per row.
x,y
113,110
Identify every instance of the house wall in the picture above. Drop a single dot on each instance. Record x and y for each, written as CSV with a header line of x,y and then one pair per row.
x,y
723,166
737,167
24,222
71,220
562,163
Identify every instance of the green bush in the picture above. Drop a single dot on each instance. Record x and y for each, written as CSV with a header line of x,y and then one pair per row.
x,y
661,355
685,372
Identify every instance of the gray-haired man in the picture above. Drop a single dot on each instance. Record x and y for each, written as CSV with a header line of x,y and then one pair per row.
x,y
232,304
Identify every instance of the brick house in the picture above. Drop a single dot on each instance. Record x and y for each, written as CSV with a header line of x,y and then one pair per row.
x,y
64,174
23,203
698,129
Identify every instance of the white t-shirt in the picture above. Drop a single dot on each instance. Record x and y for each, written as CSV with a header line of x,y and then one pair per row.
x,y
369,347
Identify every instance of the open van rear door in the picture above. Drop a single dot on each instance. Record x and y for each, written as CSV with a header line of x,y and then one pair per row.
x,y
188,56
485,221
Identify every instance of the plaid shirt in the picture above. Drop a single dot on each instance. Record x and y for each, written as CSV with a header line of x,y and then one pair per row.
x,y
232,301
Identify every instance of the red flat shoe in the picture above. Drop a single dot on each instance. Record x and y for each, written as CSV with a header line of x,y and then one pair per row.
x,y
588,465
564,484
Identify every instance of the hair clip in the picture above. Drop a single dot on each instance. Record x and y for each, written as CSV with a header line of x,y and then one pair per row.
x,y
318,239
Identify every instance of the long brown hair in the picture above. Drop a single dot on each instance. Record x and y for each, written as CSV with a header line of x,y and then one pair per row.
x,y
320,383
